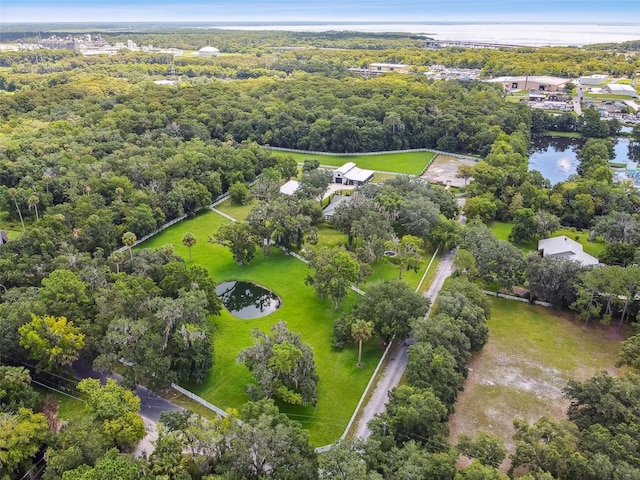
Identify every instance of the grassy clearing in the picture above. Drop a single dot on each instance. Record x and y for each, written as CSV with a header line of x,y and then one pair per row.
x,y
406,162
501,230
531,353
239,212
552,133
605,96
69,408
382,177
341,382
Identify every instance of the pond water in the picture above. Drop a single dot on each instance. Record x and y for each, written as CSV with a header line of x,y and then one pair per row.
x,y
557,157
247,300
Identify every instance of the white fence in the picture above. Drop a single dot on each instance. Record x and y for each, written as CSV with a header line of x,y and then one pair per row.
x,y
517,299
217,201
155,232
202,401
332,154
366,390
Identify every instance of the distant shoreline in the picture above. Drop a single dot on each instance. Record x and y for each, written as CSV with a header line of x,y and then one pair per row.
x,y
514,33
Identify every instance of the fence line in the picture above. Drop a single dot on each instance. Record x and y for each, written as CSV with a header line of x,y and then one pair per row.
x,y
428,267
202,401
366,390
299,257
332,154
517,299
155,232
229,217
218,200
335,167
357,290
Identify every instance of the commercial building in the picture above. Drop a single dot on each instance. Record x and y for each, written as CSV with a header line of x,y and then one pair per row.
x,y
541,83
208,52
593,80
378,68
621,89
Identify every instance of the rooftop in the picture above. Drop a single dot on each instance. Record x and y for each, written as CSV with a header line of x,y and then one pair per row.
x,y
356,174
564,247
544,79
345,168
290,187
330,209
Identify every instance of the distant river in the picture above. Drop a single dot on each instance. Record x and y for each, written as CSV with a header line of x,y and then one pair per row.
x,y
533,34
557,157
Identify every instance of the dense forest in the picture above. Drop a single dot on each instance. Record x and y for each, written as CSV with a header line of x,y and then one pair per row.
x,y
93,156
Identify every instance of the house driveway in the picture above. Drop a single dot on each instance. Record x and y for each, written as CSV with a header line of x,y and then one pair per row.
x,y
336,187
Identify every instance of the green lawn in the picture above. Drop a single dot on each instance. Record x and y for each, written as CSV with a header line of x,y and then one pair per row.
x,y
501,230
531,353
239,212
341,382
552,133
69,408
384,269
407,162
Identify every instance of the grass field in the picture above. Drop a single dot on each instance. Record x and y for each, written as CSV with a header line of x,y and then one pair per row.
x,y
552,133
501,230
407,162
239,212
341,382
383,269
531,353
69,408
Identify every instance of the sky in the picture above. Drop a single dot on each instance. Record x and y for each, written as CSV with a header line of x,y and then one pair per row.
x,y
21,11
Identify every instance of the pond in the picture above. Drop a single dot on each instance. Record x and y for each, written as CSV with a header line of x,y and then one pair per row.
x,y
247,300
557,157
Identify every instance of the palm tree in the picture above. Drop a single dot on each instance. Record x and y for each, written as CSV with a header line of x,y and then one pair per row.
x,y
361,331
117,257
189,240
129,238
33,201
13,193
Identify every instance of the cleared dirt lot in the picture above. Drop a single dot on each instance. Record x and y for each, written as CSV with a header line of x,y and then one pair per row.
x,y
444,168
531,353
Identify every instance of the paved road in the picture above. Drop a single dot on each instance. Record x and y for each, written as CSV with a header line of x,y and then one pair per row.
x,y
398,360
576,105
151,405
392,374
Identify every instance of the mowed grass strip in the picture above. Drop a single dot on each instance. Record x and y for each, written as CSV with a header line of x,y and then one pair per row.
x,y
405,162
341,382
531,353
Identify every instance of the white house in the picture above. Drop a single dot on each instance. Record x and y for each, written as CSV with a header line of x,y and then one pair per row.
x,y
564,247
290,187
349,174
